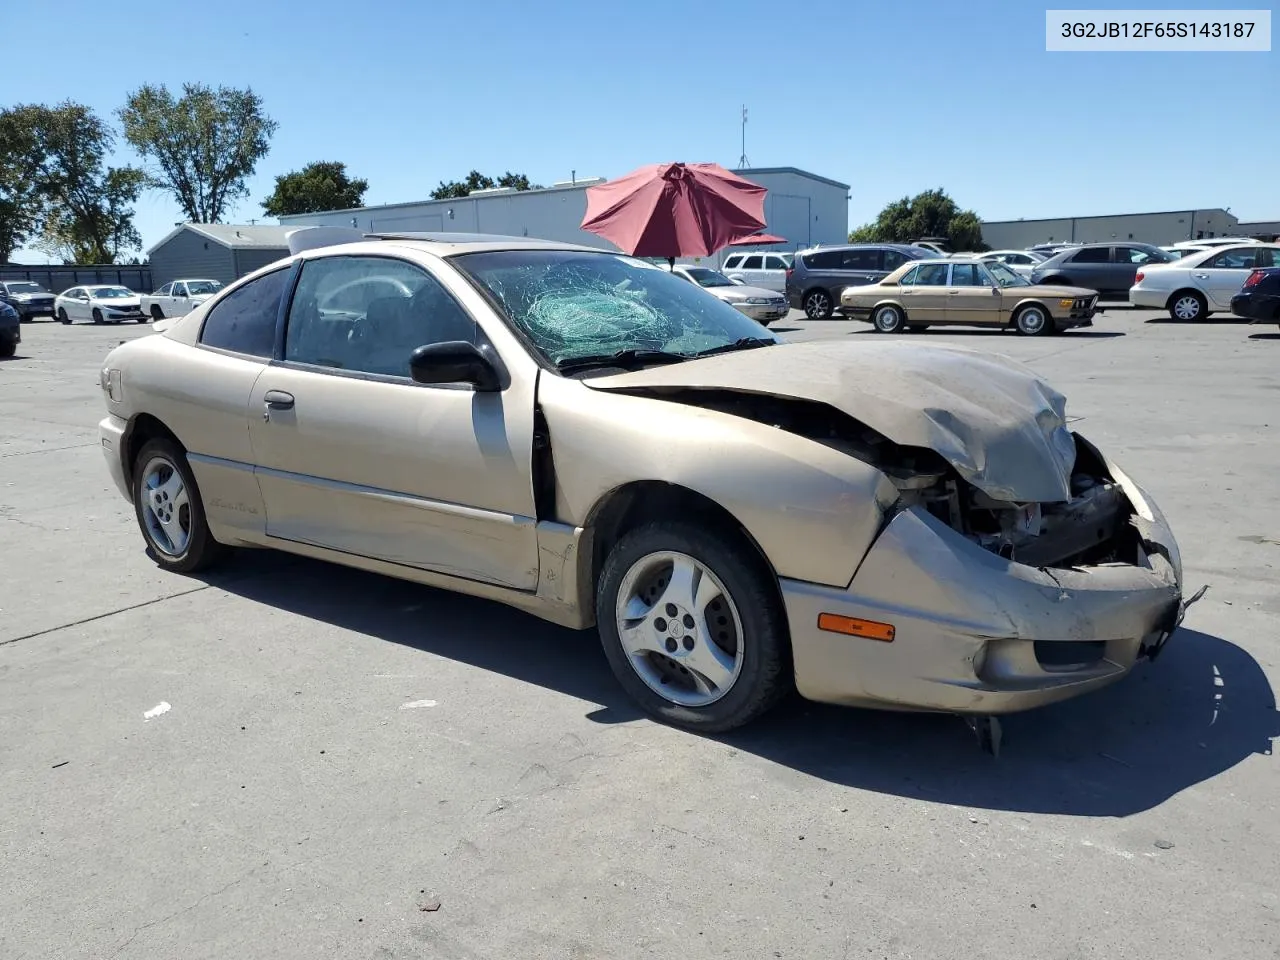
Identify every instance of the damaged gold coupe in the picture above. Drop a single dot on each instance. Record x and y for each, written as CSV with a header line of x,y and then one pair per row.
x,y
592,440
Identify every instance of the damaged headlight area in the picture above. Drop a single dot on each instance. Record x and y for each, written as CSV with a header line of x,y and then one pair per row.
x,y
1093,527
1097,525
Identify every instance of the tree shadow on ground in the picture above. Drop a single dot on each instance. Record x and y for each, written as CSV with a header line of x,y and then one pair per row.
x,y
1204,706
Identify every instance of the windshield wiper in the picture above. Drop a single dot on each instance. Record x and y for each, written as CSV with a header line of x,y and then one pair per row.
x,y
626,359
745,343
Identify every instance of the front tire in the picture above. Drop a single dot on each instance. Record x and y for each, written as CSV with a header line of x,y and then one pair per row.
x,y
889,318
166,501
62,316
1033,321
692,626
818,305
97,315
7,349
1188,306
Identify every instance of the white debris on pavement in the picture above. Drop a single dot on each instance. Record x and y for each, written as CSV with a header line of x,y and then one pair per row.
x,y
157,710
415,704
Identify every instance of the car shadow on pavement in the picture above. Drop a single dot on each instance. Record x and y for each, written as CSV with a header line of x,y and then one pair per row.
x,y
1217,319
1204,706
1264,336
1001,332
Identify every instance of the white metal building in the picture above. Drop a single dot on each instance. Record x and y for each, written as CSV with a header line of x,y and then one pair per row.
x,y
803,207
1170,226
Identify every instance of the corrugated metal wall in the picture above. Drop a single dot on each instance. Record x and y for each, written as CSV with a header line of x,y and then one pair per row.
x,y
249,259
190,255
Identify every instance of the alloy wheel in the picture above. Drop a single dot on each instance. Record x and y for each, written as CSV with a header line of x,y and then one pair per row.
x,y
166,507
680,629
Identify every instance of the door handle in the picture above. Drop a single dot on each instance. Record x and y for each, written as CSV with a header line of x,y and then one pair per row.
x,y
952,293
276,400
1201,276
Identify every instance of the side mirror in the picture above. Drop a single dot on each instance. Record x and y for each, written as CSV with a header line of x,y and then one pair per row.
x,y
454,361
996,290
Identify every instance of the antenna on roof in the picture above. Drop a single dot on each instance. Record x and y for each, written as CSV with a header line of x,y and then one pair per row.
x,y
743,162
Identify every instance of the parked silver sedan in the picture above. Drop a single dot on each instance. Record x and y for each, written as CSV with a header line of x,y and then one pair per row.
x,y
757,303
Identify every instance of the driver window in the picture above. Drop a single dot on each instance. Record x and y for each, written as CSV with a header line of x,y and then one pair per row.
x,y
368,315
164,291
179,290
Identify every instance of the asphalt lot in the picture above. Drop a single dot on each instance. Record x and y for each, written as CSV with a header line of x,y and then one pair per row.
x,y
344,751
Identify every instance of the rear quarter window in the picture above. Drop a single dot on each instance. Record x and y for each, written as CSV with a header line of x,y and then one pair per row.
x,y
244,321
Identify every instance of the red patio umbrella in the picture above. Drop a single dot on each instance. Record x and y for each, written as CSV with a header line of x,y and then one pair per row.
x,y
761,239
675,210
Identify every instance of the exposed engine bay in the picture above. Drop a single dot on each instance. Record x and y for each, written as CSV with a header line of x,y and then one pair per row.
x,y
1093,527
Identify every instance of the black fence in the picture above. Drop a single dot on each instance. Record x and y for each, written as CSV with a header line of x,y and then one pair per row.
x,y
56,279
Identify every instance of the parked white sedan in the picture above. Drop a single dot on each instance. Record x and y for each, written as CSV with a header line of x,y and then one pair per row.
x,y
101,304
177,298
1197,285
1021,262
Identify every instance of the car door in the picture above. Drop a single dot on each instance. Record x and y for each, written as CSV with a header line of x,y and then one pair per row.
x,y
178,303
1092,267
354,456
203,395
972,296
925,295
750,271
81,307
1223,274
775,273
861,265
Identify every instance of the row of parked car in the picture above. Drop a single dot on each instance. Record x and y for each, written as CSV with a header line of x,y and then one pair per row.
x,y
105,302
1039,290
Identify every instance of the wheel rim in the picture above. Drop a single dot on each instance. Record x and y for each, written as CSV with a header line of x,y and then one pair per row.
x,y
818,304
1186,308
1031,320
680,629
166,507
887,319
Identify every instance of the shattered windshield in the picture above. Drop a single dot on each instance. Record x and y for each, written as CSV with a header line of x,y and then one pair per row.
x,y
573,304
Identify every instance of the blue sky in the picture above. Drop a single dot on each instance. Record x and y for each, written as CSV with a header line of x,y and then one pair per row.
x,y
892,98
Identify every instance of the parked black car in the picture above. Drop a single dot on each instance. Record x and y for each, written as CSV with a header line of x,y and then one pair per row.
x,y
29,299
1259,298
10,330
817,276
1109,268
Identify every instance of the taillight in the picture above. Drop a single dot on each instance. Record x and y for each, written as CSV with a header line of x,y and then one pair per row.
x,y
1138,278
1255,278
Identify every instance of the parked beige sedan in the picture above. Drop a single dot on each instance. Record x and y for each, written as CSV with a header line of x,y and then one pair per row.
x,y
595,441
967,292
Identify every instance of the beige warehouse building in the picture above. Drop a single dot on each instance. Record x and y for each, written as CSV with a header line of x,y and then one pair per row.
x,y
1170,226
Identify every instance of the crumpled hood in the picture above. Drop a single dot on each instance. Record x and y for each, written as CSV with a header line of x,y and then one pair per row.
x,y
1001,426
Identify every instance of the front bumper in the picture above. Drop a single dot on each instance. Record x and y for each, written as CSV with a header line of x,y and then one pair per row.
x,y
978,634
763,312
28,309
111,435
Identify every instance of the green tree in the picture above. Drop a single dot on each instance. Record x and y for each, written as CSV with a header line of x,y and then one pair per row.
x,y
319,186
928,214
21,204
72,203
478,181
205,144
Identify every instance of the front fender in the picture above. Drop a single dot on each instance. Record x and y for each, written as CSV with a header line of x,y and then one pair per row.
x,y
813,510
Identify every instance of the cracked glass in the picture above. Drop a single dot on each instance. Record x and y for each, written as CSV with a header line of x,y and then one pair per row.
x,y
573,304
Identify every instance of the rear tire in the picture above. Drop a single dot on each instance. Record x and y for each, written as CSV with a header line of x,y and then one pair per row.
x,y
889,318
1188,306
156,312
170,512
818,305
729,619
8,349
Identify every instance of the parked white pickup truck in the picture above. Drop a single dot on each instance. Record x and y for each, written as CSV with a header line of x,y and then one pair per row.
x,y
178,298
